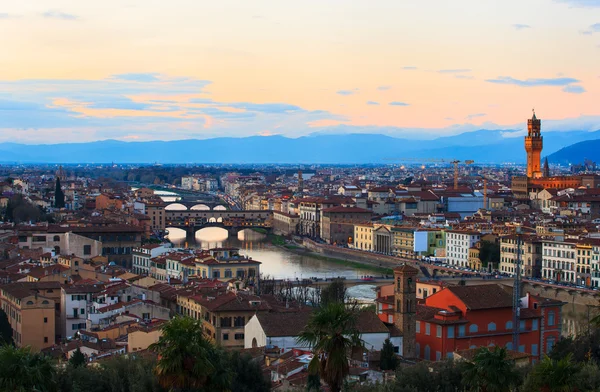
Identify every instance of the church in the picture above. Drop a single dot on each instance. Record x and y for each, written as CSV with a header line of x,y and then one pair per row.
x,y
539,178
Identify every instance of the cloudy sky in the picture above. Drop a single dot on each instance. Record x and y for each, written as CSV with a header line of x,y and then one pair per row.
x,y
160,70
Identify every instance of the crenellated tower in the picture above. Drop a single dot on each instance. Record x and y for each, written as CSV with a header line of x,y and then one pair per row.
x,y
533,146
405,298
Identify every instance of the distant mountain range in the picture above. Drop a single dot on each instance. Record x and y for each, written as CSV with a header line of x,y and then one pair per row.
x,y
482,146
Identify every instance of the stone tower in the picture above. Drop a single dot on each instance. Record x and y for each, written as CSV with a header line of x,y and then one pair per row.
x,y
546,168
533,146
405,296
300,181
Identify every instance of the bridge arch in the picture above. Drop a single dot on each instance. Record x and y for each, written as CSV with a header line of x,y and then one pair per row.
x,y
219,208
212,219
200,207
176,207
220,219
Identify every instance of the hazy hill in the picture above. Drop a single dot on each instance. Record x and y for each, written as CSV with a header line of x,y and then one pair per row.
x,y
482,146
577,153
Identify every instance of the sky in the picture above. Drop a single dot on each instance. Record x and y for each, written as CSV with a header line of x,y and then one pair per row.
x,y
74,71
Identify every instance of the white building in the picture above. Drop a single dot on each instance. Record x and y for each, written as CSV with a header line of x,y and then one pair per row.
x,y
143,254
458,244
558,261
282,329
75,305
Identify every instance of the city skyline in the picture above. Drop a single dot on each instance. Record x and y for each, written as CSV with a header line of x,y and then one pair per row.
x,y
74,72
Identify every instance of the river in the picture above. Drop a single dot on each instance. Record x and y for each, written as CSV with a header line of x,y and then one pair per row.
x,y
276,262
282,264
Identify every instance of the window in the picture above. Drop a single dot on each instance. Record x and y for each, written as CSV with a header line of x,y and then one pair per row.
x,y
461,331
491,327
473,328
239,336
550,318
534,324
534,349
549,344
418,327
438,356
45,339
438,331
509,325
427,329
225,336
450,332
82,310
87,250
522,325
418,350
427,353
522,348
509,346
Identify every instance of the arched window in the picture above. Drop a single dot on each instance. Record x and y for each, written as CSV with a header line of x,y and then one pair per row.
x,y
44,302
491,327
29,302
56,238
473,328
509,325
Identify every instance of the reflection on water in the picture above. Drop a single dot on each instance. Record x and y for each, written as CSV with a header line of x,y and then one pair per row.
x,y
276,262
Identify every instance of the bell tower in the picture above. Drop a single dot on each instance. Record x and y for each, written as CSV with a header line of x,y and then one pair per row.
x,y
405,307
533,147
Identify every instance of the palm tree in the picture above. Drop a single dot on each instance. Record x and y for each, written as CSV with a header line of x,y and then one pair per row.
x,y
490,371
22,370
331,333
553,375
186,360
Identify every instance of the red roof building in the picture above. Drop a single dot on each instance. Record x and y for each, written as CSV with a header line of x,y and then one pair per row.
x,y
466,317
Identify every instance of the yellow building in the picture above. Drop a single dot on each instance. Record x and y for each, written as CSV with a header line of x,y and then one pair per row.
x,y
139,337
31,312
474,257
531,255
584,261
224,316
363,236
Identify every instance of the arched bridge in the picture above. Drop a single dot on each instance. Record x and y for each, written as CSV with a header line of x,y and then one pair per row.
x,y
200,205
232,221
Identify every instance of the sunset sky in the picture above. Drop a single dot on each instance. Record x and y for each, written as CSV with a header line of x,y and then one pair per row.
x,y
163,70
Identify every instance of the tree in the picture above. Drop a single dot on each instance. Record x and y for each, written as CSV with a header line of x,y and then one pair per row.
x,y
22,370
331,333
78,359
389,360
248,376
552,375
490,371
313,383
187,360
489,253
335,292
6,331
59,196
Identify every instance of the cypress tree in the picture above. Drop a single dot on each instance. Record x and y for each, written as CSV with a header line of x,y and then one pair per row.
x,y
59,196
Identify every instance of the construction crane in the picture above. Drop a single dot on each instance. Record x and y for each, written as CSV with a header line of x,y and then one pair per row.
x,y
454,162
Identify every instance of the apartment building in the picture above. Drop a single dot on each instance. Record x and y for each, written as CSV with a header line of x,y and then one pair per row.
x,y
142,257
458,244
363,236
337,223
530,255
224,316
76,304
33,311
559,261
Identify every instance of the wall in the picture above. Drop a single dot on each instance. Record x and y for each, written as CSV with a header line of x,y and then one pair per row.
x,y
140,340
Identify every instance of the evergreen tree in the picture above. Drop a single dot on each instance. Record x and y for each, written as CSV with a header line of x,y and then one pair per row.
x,y
78,359
389,360
313,383
5,329
59,196
335,292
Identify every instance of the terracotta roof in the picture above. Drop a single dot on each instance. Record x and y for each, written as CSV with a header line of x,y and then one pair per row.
x,y
482,296
283,324
407,269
